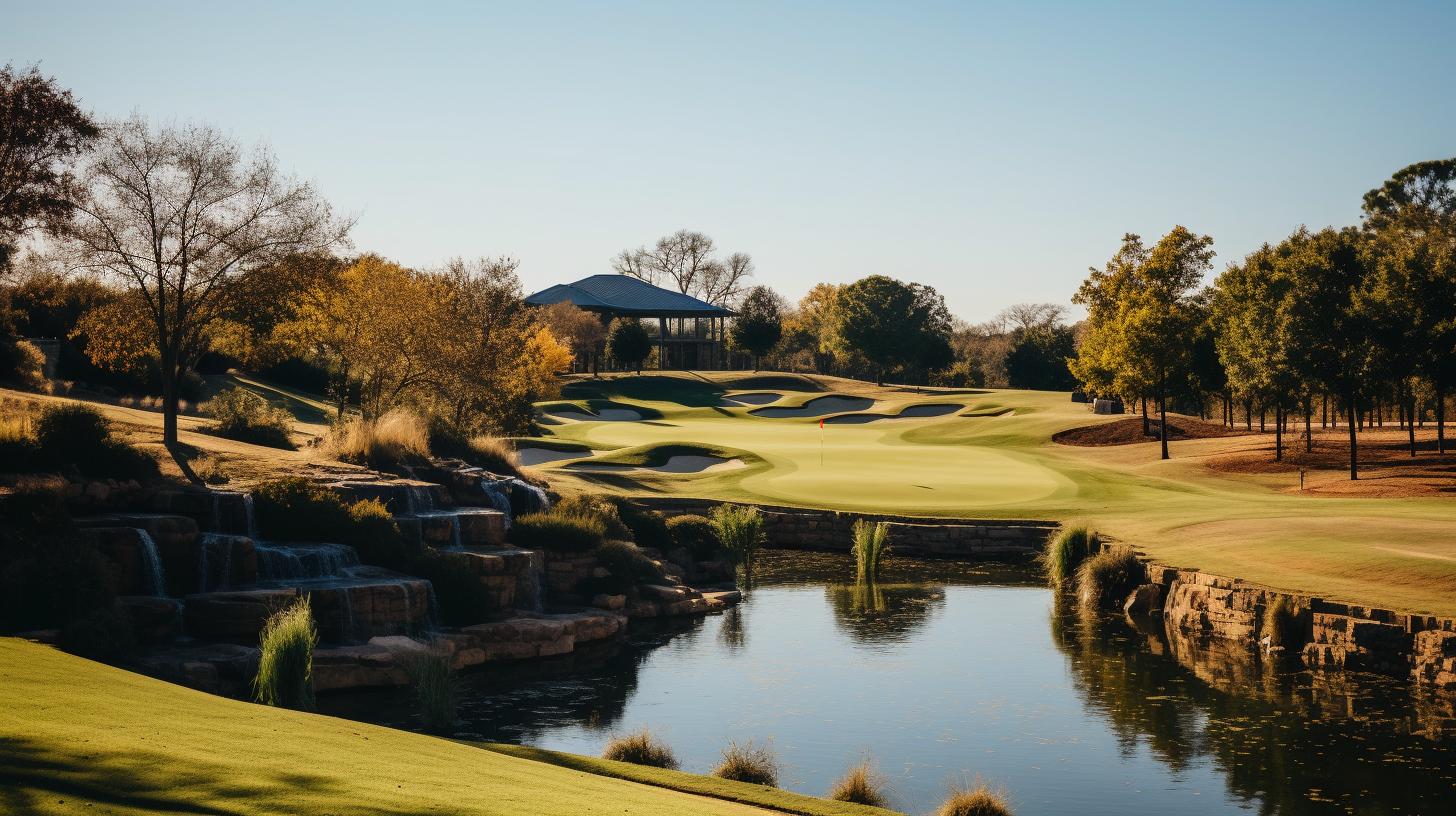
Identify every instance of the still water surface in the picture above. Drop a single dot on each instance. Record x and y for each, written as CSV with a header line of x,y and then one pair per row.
x,y
952,672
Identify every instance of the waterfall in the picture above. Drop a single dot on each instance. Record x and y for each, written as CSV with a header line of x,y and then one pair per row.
x,y
303,562
498,498
538,501
346,615
204,566
252,521
455,543
528,588
417,498
152,563
216,510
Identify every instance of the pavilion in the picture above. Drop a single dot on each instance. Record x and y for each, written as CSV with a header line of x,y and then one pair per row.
x,y
689,333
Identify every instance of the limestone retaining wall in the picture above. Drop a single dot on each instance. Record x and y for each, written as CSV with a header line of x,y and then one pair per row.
x,y
798,528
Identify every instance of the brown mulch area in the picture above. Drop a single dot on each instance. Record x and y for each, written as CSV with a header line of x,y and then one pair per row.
x,y
1130,431
1386,467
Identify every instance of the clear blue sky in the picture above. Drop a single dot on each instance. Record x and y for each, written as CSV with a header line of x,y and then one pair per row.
x,y
993,151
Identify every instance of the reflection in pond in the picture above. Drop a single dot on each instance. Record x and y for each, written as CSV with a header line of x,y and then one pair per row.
x,y
946,671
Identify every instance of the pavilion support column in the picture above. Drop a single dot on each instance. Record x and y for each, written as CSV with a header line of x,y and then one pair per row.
x,y
661,343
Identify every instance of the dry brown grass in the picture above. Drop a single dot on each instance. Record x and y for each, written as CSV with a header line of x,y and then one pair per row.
x,y
397,436
751,763
974,801
641,748
861,785
493,454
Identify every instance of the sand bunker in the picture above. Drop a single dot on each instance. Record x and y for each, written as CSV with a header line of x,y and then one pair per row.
x,y
756,398
674,464
604,415
530,457
910,412
819,406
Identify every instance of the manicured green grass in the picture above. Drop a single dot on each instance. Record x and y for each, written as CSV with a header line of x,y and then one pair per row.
x,y
995,459
145,747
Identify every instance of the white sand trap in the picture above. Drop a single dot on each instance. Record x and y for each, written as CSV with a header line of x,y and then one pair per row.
x,y
541,456
755,398
819,406
604,415
911,412
674,464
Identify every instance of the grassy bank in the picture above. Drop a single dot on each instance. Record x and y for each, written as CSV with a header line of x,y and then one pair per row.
x,y
145,746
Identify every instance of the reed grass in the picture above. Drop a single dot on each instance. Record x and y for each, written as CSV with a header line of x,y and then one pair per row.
x,y
641,748
393,439
432,679
740,531
974,801
871,547
1105,579
285,667
1065,551
749,762
861,785
1281,624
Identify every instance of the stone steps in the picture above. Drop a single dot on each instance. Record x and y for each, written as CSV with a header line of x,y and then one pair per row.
x,y
346,610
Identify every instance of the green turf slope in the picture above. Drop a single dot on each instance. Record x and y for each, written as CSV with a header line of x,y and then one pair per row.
x,y
995,459
81,737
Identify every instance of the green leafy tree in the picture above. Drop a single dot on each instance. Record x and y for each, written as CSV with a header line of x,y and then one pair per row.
x,y
628,343
759,323
893,325
1038,358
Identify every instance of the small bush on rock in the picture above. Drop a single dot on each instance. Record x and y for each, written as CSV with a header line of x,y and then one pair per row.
x,y
76,435
628,565
1281,624
296,509
861,785
373,532
740,529
285,666
558,533
695,534
595,507
649,527
1105,579
1065,551
641,748
493,454
247,417
977,801
755,764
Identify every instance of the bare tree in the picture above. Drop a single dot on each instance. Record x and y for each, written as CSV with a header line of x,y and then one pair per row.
x,y
179,215
685,261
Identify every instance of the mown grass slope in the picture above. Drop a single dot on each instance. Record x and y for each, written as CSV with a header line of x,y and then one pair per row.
x,y
81,737
996,459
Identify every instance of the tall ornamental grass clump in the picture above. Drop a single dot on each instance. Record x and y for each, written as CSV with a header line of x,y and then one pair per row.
x,y
285,668
641,748
740,531
397,438
861,785
871,547
754,764
1281,624
977,801
247,417
1105,579
432,679
1066,551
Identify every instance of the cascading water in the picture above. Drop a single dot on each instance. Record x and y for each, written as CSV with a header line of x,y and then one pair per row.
x,y
205,545
251,520
304,562
418,499
152,562
498,497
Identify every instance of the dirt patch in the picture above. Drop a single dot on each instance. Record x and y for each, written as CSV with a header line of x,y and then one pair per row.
x,y
1387,470
1130,431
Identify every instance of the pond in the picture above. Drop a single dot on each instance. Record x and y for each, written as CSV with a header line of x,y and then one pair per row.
x,y
952,672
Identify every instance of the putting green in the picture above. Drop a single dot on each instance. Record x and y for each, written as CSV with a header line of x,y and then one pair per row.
x,y
994,458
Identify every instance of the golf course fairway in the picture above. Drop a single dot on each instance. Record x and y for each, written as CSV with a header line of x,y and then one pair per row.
x,y
992,457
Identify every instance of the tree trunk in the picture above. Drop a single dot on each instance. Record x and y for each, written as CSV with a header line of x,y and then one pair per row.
x,y
1263,412
1163,417
1440,417
1353,411
1248,415
1147,431
1279,432
169,401
1410,421
1308,420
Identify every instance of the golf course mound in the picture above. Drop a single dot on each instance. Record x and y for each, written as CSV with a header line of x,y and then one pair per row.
x,y
755,398
909,412
818,407
1129,431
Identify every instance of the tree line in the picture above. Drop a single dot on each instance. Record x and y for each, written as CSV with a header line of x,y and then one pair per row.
x,y
1348,321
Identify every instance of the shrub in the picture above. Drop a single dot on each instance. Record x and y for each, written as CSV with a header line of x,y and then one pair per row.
x,y
628,566
871,546
695,534
595,507
373,532
296,509
1065,551
285,667
640,748
103,634
74,434
1281,624
463,600
558,533
1105,579
399,437
493,454
649,527
860,785
755,764
19,452
22,363
740,529
977,801
247,417
432,678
